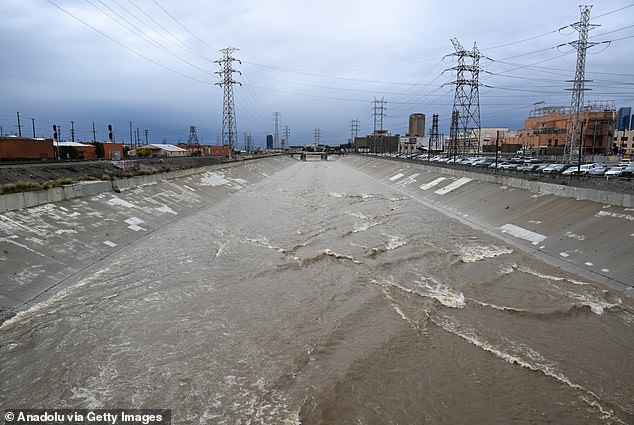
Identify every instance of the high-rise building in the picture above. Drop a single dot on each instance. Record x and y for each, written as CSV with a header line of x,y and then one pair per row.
x,y
624,119
416,125
269,141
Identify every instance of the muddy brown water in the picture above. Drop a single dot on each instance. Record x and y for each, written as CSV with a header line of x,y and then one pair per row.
x,y
321,296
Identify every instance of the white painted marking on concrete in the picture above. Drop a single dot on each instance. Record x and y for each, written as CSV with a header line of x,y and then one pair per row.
x,y
614,215
165,209
605,270
432,183
396,176
120,202
589,264
213,179
133,223
575,236
190,188
110,244
409,180
564,254
453,186
522,233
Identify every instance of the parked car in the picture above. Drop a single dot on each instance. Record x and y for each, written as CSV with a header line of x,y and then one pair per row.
x,y
625,163
628,171
555,168
599,170
507,166
614,171
540,167
527,167
579,170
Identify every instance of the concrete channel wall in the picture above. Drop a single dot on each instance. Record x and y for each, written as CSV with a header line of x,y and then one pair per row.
x,y
15,201
582,230
68,229
587,194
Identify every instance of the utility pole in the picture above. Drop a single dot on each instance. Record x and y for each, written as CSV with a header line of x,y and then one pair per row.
x,y
379,112
276,130
131,141
94,133
465,119
146,132
72,131
33,124
581,45
19,126
138,137
229,127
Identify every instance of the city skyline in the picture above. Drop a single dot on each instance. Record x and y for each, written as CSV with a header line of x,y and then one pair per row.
x,y
319,65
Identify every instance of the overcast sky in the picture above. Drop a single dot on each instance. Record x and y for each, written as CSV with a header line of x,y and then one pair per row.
x,y
320,64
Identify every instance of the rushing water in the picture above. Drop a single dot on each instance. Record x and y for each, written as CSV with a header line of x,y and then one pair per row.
x,y
321,296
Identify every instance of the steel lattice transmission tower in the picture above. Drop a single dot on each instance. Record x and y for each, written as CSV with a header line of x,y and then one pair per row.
x,y
434,135
276,130
354,129
465,116
193,137
574,136
229,127
379,112
287,137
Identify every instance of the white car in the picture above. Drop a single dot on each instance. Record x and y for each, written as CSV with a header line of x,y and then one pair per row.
x,y
614,171
583,169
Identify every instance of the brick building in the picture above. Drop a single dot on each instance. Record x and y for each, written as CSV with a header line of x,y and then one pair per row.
x,y
26,148
547,127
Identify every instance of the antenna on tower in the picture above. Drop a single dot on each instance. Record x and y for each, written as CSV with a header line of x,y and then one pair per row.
x,y
574,136
229,127
465,116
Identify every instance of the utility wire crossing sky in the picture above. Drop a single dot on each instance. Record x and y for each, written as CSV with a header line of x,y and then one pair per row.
x,y
151,64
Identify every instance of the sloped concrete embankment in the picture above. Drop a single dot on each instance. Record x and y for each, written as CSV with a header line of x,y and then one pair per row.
x,y
71,228
582,230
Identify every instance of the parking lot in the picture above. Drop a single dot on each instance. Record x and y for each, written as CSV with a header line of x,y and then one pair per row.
x,y
613,175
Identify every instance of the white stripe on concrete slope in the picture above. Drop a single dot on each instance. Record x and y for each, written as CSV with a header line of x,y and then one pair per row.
x,y
396,177
452,186
522,233
432,183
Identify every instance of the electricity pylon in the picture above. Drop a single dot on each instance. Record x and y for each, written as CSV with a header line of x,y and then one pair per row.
x,y
465,117
229,127
574,136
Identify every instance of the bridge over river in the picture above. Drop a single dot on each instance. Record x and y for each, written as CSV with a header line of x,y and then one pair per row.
x,y
355,290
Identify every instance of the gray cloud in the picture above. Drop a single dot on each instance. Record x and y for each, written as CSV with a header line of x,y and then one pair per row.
x,y
319,64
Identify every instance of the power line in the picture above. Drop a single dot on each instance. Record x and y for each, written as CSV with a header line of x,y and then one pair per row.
x,y
124,46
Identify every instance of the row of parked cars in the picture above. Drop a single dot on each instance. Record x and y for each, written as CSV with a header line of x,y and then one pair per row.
x,y
531,165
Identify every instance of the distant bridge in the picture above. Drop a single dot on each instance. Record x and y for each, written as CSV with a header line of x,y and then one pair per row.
x,y
303,155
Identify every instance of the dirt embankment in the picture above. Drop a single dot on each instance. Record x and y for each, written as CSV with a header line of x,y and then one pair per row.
x,y
18,177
